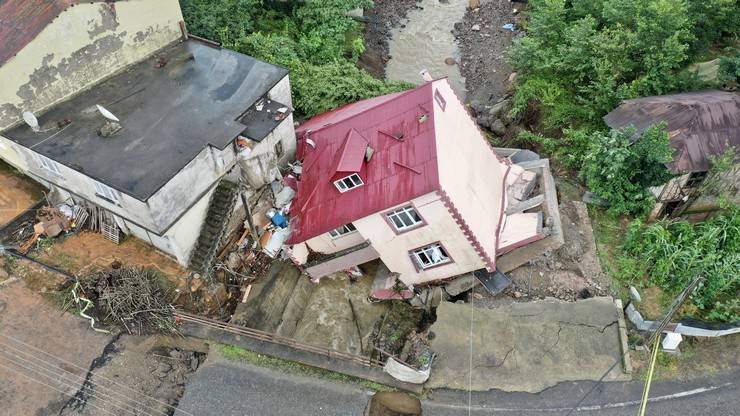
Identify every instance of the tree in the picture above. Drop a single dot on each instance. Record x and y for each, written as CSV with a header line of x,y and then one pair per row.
x,y
620,171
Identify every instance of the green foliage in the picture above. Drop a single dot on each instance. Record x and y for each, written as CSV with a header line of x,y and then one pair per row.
x,y
316,40
207,18
580,58
620,171
729,69
669,254
569,150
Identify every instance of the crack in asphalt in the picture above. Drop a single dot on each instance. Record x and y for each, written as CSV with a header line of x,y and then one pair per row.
x,y
499,364
598,328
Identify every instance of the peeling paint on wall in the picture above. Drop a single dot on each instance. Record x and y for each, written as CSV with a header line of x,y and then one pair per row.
x,y
108,21
83,45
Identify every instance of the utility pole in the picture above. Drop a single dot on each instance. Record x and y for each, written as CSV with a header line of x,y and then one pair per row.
x,y
654,341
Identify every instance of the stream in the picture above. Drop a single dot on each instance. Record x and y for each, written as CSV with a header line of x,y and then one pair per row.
x,y
426,42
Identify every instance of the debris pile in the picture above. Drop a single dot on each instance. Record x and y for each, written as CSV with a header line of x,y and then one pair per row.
x,y
133,298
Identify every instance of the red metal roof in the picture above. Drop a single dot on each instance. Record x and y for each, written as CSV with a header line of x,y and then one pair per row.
x,y
22,20
352,153
399,170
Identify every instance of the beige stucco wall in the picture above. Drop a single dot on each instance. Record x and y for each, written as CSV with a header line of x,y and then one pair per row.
x,y
325,243
394,248
85,43
469,171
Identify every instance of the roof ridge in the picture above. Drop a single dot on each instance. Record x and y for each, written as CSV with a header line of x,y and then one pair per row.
x,y
399,95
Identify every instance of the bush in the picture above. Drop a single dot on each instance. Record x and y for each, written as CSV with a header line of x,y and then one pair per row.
x,y
670,254
729,70
569,150
316,40
580,58
620,171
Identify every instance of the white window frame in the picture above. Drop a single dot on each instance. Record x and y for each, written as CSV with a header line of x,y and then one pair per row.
x,y
343,230
434,254
348,182
407,216
106,192
48,164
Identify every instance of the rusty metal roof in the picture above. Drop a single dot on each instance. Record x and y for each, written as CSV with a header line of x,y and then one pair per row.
x,y
22,20
700,124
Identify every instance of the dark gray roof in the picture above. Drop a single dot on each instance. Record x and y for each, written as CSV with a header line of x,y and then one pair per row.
x,y
700,124
169,114
261,120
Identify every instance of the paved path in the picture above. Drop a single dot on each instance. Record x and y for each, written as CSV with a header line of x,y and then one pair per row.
x,y
225,388
525,346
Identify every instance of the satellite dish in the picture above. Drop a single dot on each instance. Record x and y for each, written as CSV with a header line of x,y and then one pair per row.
x,y
107,114
31,120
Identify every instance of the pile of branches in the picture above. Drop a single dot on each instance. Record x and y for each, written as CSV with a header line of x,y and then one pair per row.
x,y
133,298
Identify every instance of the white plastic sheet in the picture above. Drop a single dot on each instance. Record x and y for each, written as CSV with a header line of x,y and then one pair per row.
x,y
405,373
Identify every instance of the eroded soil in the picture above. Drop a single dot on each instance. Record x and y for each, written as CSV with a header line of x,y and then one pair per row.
x,y
17,193
86,251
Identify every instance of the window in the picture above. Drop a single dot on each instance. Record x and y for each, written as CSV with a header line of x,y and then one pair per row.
x,y
48,164
106,192
349,182
405,218
345,229
430,256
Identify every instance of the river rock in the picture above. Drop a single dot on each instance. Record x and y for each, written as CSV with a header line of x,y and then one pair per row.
x,y
450,61
475,27
498,127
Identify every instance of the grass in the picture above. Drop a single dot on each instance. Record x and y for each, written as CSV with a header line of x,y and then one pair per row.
x,y
608,231
240,354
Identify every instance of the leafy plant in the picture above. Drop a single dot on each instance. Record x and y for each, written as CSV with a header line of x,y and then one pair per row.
x,y
620,171
580,58
729,70
670,254
316,40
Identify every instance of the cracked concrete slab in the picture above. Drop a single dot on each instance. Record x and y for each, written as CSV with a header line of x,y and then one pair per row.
x,y
525,346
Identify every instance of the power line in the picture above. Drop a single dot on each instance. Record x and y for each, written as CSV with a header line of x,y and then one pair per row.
x,y
52,387
99,376
58,375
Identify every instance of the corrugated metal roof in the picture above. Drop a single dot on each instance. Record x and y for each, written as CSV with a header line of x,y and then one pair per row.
x,y
352,153
22,20
700,124
399,170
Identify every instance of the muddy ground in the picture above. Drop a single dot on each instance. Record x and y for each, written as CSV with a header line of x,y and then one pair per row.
x,y
381,18
53,363
484,46
17,193
569,273
138,375
86,251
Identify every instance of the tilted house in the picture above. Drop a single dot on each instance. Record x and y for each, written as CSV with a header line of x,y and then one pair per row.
x,y
193,119
410,179
701,126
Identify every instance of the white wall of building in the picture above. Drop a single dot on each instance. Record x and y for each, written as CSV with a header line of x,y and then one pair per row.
x,y
469,171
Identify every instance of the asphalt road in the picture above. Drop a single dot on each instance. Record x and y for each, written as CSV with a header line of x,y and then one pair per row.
x,y
225,388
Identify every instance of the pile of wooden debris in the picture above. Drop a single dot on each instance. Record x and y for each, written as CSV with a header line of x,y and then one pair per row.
x,y
136,299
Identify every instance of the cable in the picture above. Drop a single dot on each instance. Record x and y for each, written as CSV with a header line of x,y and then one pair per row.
x,y
53,388
470,372
100,376
60,376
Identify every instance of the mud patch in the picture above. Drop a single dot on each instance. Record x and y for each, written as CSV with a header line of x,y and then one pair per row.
x,y
571,272
484,46
17,193
138,374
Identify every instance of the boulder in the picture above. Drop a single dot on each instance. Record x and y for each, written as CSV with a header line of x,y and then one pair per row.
x,y
498,127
